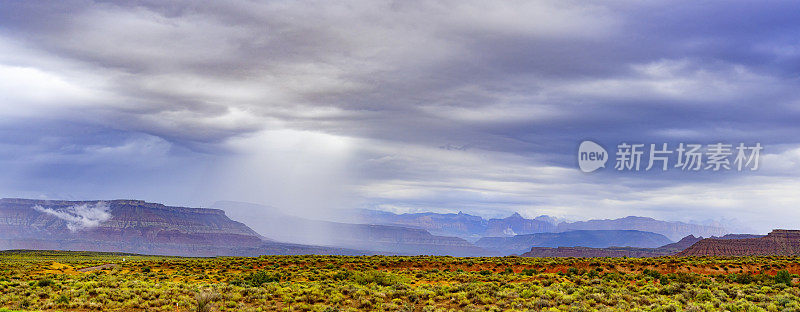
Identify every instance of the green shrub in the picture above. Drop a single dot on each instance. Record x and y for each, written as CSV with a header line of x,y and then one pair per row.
x,y
651,273
783,277
529,272
262,277
378,277
204,300
62,300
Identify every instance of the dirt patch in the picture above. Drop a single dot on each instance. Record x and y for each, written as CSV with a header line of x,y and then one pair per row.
x,y
99,267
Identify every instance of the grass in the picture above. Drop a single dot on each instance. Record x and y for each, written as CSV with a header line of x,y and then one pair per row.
x,y
51,281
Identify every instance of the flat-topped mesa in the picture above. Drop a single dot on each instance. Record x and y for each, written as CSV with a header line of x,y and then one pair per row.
x,y
140,203
781,233
778,242
115,202
120,225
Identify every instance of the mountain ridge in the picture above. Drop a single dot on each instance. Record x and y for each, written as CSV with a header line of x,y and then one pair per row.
x,y
634,252
135,226
674,230
383,238
472,227
580,238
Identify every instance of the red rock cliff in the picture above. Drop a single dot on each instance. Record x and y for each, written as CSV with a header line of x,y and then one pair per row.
x,y
777,242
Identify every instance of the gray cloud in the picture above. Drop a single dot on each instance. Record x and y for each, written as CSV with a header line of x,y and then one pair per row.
x,y
364,93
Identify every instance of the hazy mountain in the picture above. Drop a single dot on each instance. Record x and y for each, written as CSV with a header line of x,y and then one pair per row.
x,y
583,238
460,224
671,229
473,227
549,219
386,239
448,224
134,226
516,224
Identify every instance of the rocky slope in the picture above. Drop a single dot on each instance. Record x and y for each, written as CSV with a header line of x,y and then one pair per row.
x,y
133,226
597,239
777,242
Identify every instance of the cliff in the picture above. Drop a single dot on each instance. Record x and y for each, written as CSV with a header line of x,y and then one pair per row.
x,y
133,226
777,242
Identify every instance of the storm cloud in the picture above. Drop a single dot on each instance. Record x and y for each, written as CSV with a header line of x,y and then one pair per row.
x,y
478,106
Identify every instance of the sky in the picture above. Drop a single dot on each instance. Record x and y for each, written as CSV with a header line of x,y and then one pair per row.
x,y
404,106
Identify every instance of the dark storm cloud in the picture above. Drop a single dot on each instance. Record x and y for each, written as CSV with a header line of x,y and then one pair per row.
x,y
394,86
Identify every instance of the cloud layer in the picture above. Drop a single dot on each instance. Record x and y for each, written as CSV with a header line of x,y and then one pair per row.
x,y
80,217
401,105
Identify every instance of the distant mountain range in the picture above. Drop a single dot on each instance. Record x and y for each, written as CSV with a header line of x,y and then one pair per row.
x,y
474,227
137,227
446,224
637,252
582,238
141,227
378,238
672,230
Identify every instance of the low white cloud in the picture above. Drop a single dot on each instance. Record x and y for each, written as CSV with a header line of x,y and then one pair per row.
x,y
80,217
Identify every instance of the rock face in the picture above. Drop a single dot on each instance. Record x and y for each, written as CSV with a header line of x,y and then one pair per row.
x,y
777,242
595,239
587,252
131,226
672,230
